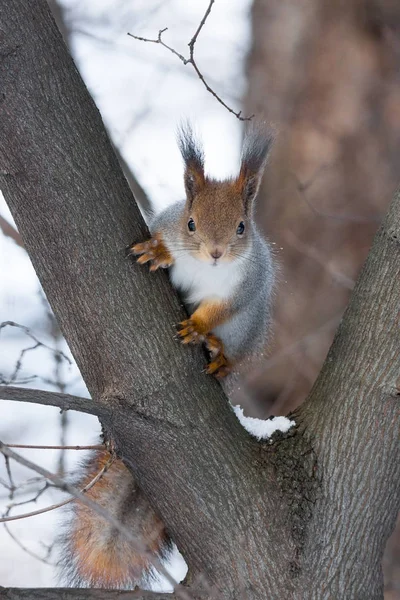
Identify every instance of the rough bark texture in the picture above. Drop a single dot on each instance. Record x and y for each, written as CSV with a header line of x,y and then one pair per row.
x,y
64,401
354,425
76,215
307,516
78,594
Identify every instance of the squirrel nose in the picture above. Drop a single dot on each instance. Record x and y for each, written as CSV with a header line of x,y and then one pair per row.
x,y
216,254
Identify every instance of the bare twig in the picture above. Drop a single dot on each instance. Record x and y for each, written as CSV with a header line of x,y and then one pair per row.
x,y
191,60
11,487
27,550
6,515
37,344
63,401
60,386
40,511
33,447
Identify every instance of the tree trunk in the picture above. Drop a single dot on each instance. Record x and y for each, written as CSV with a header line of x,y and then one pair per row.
x,y
78,594
256,520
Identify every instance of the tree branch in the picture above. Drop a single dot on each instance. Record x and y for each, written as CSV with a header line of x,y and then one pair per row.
x,y
172,425
191,60
40,511
63,401
352,416
306,516
79,594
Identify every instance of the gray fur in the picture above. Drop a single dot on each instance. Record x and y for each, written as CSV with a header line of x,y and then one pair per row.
x,y
256,147
190,147
247,331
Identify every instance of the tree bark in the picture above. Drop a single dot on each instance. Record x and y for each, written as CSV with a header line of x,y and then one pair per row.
x,y
137,190
76,215
78,594
63,401
352,416
256,520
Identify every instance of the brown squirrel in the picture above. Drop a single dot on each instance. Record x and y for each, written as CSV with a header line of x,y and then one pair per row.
x,y
223,268
216,258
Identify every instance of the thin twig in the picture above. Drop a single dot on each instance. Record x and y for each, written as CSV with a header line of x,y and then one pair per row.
x,y
27,550
200,27
46,486
12,487
33,447
38,344
191,60
63,401
59,504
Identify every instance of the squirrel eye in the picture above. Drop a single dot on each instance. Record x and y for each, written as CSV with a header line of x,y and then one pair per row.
x,y
191,225
240,229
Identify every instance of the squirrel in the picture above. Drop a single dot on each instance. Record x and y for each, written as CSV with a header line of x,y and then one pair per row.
x,y
224,270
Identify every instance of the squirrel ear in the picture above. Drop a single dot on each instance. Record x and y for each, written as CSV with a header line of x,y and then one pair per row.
x,y
256,147
193,156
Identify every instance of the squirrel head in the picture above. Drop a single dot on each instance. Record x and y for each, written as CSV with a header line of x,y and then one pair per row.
x,y
216,226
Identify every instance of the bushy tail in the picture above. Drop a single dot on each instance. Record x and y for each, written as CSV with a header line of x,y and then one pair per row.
x,y
95,554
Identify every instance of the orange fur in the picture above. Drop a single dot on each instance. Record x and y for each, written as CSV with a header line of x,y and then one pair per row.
x,y
197,329
217,210
205,318
154,251
219,366
103,557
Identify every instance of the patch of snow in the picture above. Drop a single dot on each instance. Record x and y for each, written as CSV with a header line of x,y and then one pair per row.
x,y
260,428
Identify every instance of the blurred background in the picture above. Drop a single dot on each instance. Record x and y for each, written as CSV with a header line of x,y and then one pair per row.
x,y
326,74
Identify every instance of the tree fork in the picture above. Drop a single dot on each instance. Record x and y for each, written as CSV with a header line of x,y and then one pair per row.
x,y
307,516
171,424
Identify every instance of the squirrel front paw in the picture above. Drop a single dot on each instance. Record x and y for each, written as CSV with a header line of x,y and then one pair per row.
x,y
154,251
194,332
191,332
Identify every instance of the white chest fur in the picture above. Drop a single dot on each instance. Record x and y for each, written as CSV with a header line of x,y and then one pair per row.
x,y
198,280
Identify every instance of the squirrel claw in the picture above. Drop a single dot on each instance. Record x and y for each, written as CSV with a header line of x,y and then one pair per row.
x,y
152,251
214,345
219,366
190,332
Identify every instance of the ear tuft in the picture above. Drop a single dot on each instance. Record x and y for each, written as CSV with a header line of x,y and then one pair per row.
x,y
257,144
193,156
